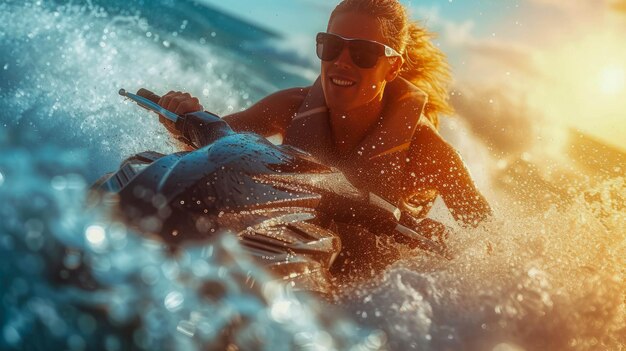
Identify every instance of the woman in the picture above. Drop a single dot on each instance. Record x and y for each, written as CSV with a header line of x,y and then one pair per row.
x,y
372,112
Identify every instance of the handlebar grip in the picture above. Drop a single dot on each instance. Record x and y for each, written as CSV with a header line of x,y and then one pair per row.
x,y
145,93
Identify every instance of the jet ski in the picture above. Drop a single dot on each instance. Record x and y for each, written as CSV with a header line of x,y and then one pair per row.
x,y
280,202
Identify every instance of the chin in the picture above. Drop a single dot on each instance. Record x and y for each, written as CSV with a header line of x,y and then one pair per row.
x,y
337,102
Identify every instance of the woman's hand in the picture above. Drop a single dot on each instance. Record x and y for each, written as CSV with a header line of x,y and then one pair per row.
x,y
180,103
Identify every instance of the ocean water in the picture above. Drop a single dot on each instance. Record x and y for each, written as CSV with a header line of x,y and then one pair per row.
x,y
547,273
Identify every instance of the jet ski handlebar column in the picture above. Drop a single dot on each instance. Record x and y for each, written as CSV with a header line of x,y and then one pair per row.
x,y
199,128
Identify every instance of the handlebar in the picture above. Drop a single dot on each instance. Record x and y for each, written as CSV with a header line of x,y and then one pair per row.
x,y
149,95
426,234
150,101
197,129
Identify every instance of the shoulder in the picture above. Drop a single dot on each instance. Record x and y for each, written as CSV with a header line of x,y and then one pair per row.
x,y
403,106
426,133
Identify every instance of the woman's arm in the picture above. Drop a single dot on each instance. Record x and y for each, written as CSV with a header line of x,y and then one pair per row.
x,y
459,192
271,115
437,164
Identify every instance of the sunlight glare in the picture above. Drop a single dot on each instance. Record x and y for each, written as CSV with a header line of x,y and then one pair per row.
x,y
612,80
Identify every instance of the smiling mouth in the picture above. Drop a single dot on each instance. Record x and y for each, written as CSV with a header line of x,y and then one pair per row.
x,y
342,82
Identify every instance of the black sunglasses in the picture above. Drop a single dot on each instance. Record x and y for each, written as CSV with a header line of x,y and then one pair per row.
x,y
364,53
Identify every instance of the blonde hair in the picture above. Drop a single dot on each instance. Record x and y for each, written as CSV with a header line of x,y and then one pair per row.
x,y
425,65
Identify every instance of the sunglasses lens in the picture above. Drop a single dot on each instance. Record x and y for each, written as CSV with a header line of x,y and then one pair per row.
x,y
328,47
364,54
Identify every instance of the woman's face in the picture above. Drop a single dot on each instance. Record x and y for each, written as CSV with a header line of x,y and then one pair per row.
x,y
367,84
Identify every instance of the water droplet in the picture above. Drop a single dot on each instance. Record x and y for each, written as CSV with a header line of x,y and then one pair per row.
x,y
221,272
187,328
281,311
95,234
58,183
174,301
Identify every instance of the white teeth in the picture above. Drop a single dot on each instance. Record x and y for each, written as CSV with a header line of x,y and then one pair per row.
x,y
341,82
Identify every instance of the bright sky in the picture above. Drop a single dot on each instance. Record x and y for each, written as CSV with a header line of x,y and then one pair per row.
x,y
566,60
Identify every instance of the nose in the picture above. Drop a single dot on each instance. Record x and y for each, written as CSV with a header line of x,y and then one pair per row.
x,y
344,60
